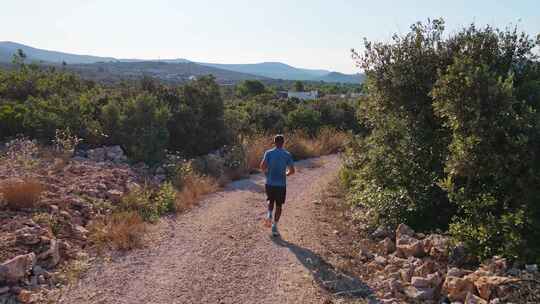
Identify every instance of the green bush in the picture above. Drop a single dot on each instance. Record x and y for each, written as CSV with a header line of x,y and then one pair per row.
x,y
165,198
197,126
141,202
453,137
305,119
144,129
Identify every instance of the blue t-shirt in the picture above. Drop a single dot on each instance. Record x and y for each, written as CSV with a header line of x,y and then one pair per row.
x,y
277,160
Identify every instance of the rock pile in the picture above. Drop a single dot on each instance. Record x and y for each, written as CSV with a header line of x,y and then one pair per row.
x,y
34,243
410,267
113,154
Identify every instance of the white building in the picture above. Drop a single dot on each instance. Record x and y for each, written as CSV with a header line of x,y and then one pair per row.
x,y
303,95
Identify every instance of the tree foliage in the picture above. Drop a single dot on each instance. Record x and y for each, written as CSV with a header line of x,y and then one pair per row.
x,y
453,140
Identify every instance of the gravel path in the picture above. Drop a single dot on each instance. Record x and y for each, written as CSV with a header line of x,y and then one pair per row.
x,y
221,253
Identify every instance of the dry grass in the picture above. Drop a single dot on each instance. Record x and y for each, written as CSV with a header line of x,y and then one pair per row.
x,y
21,193
122,230
255,147
300,144
194,186
330,141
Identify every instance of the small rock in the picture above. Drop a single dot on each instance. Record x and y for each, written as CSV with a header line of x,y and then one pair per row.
x,y
395,286
365,255
457,256
406,274
456,272
531,268
381,232
425,268
4,289
79,232
114,195
402,230
41,279
513,272
97,155
420,282
51,257
28,239
24,296
487,286
17,268
472,299
53,209
420,294
457,288
407,246
388,246
380,260
497,265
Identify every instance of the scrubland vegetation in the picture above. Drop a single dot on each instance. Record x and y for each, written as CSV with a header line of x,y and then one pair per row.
x,y
196,135
453,137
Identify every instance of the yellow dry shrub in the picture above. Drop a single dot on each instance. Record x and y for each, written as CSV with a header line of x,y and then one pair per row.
x,y
122,231
21,193
194,186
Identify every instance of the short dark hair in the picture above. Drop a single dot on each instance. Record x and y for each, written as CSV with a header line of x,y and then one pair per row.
x,y
279,139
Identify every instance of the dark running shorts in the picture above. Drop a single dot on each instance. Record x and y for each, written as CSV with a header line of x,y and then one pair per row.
x,y
276,194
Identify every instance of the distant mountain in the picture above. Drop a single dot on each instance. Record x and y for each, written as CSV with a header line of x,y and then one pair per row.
x,y
340,77
274,70
9,48
279,70
114,71
182,67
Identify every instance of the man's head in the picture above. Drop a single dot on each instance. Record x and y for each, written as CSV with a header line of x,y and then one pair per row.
x,y
279,140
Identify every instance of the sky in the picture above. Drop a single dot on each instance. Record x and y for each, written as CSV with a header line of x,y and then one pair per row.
x,y
302,33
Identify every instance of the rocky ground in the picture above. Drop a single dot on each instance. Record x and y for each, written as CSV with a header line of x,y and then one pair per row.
x,y
402,266
37,242
220,253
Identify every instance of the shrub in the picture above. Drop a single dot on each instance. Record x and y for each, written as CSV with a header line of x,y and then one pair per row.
x,y
122,230
255,146
144,129
21,194
235,162
165,198
141,202
193,187
49,220
305,119
331,141
452,141
197,125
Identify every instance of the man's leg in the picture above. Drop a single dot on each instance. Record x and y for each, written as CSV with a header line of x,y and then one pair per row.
x,y
278,213
270,208
280,200
271,200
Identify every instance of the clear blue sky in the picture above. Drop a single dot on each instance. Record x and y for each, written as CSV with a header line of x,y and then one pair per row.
x,y
303,33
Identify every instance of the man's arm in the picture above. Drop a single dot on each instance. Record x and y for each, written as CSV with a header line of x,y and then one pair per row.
x,y
264,164
290,166
290,170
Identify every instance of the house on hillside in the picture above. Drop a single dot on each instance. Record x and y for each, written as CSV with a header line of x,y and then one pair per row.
x,y
356,95
311,95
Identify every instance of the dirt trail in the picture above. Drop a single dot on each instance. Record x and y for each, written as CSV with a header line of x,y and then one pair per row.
x,y
221,253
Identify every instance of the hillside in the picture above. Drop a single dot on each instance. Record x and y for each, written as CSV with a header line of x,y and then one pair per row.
x,y
168,72
275,70
112,69
279,70
340,77
8,48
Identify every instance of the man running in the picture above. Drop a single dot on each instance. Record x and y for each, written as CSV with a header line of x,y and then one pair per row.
x,y
277,164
